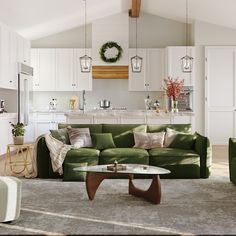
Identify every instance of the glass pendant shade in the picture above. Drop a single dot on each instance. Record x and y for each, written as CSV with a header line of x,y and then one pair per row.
x,y
187,64
136,63
85,63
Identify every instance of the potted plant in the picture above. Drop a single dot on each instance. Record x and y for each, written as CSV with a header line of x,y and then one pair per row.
x,y
18,132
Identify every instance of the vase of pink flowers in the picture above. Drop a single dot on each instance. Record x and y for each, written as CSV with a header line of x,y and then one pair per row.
x,y
173,88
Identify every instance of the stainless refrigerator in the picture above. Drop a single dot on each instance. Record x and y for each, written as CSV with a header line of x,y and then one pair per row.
x,y
24,93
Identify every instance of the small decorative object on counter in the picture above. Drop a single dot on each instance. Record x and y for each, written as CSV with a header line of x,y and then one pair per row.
x,y
116,166
157,106
148,103
53,104
18,132
173,89
73,102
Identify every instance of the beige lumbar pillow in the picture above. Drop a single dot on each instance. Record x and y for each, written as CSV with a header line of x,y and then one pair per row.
x,y
148,140
80,137
170,136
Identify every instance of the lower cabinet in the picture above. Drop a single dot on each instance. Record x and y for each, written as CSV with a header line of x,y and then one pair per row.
x,y
45,121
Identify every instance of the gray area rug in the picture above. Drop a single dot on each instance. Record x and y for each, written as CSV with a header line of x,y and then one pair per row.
x,y
201,206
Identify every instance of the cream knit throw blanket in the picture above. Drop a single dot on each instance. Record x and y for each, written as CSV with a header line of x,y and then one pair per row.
x,y
57,151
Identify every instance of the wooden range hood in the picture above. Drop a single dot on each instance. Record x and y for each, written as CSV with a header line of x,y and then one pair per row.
x,y
110,72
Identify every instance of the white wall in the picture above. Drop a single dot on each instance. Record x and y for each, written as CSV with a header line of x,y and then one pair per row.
x,y
206,34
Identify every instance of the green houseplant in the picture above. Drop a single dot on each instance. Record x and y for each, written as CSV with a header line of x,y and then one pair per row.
x,y
18,132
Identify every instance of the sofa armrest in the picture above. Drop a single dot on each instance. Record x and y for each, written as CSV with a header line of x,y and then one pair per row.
x,y
232,159
204,149
44,166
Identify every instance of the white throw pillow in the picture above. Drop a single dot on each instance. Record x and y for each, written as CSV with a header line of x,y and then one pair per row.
x,y
80,137
148,140
170,136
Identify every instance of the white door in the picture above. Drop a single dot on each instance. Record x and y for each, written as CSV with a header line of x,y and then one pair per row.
x,y
137,80
220,94
155,69
64,69
82,80
174,55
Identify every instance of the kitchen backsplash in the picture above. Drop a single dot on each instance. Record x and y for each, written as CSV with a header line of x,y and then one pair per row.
x,y
114,90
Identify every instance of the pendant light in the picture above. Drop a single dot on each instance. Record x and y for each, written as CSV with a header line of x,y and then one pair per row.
x,y
85,61
187,61
136,61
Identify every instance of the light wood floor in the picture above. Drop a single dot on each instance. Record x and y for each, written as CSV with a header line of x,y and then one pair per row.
x,y
219,162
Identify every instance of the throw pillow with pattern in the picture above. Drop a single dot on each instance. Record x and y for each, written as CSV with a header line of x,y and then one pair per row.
x,y
80,137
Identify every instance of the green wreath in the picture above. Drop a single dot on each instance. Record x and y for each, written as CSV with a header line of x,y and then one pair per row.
x,y
104,48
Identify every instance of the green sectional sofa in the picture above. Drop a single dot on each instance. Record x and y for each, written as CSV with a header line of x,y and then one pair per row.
x,y
232,160
183,163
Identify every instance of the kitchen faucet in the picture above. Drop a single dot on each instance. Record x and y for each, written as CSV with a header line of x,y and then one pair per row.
x,y
83,101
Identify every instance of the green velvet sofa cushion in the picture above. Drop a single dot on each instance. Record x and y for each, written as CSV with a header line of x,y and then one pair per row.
x,y
173,156
61,135
124,155
123,133
185,128
71,175
184,141
83,152
93,128
103,141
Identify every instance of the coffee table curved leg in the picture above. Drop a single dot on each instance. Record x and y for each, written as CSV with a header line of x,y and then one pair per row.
x,y
153,194
93,180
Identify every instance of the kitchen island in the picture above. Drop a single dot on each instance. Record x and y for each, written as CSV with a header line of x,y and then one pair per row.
x,y
129,117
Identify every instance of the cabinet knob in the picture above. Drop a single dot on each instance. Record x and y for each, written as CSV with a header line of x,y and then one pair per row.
x,y
10,81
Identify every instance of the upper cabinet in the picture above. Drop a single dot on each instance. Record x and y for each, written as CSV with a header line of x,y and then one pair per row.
x,y
83,80
152,74
59,70
64,70
13,49
173,64
43,62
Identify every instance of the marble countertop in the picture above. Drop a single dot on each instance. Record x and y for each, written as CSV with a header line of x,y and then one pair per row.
x,y
7,115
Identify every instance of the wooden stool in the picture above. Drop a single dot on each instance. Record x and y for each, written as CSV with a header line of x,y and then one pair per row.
x,y
25,151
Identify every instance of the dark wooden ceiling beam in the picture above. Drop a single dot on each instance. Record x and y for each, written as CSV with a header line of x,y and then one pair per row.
x,y
136,6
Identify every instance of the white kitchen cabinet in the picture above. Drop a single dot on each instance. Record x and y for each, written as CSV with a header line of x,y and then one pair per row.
x,y
65,79
220,90
8,60
82,80
152,74
6,135
59,70
10,51
23,50
155,68
44,62
137,80
173,64
46,121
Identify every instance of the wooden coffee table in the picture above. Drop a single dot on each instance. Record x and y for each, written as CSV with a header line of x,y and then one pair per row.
x,y
96,174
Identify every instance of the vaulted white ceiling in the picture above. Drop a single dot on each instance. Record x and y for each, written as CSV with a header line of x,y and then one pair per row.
x,y
38,18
